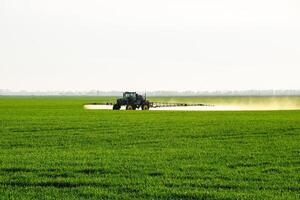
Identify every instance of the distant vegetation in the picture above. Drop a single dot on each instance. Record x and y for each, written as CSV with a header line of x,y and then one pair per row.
x,y
51,148
158,93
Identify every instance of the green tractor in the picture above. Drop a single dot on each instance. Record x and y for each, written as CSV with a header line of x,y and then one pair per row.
x,y
132,101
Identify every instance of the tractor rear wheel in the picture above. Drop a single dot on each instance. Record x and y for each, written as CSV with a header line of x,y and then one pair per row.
x,y
145,107
116,107
129,107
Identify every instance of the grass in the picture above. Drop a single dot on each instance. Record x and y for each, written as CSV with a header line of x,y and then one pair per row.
x,y
51,148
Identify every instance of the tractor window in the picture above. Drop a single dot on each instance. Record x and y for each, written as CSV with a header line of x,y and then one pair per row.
x,y
129,95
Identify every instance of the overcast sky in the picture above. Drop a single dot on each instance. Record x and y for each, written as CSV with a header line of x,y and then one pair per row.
x,y
149,45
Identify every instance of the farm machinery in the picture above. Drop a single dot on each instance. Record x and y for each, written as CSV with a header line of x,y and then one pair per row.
x,y
133,101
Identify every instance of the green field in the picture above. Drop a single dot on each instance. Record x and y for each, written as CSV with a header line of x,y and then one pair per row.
x,y
51,148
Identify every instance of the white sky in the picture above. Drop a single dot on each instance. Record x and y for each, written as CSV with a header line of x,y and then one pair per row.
x,y
149,45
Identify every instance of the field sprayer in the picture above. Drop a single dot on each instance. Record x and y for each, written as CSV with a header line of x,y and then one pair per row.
x,y
133,101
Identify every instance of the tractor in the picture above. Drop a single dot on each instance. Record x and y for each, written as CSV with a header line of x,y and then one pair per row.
x,y
132,101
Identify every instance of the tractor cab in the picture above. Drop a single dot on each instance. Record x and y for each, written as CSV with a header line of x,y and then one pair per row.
x,y
129,95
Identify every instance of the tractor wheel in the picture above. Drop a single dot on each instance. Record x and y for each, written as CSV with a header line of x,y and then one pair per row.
x,y
116,107
145,107
129,107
